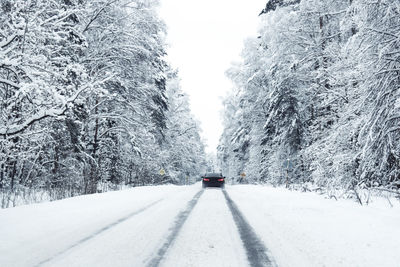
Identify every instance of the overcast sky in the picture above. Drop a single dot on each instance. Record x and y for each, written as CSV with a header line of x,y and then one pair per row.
x,y
205,36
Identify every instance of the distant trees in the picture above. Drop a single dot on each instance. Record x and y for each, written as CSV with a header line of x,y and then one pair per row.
x,y
318,88
83,99
184,156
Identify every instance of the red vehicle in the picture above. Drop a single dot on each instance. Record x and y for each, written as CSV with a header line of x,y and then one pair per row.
x,y
213,179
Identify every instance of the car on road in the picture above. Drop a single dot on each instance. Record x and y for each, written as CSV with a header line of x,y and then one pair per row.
x,y
213,179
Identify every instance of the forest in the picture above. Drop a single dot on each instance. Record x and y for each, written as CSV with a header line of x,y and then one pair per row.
x,y
88,102
316,98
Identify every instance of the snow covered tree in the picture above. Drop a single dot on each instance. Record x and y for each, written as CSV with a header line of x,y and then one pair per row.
x,y
232,150
184,150
325,79
83,103
40,78
378,56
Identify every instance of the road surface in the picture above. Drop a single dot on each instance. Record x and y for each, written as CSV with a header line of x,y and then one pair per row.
x,y
189,226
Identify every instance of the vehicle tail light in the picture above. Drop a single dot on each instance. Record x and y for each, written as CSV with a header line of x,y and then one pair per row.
x,y
220,180
205,179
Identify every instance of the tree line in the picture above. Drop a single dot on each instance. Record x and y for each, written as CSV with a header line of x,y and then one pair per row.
x,y
87,101
316,97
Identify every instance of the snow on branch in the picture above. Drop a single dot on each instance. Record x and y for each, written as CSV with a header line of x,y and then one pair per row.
x,y
44,113
8,82
95,16
10,39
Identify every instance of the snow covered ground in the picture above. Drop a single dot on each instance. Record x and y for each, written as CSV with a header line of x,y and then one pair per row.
x,y
185,226
306,229
56,232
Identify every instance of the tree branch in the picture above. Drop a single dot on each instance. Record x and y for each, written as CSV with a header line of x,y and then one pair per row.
x,y
42,114
8,82
97,15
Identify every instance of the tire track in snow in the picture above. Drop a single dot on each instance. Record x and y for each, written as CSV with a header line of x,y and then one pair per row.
x,y
98,232
257,253
179,222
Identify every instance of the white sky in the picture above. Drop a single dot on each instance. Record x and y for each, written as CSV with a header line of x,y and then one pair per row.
x,y
205,36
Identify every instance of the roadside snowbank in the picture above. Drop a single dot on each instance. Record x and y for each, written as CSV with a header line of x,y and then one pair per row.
x,y
306,229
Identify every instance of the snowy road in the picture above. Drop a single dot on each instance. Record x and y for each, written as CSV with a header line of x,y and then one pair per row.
x,y
200,232
188,226
184,226
209,237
